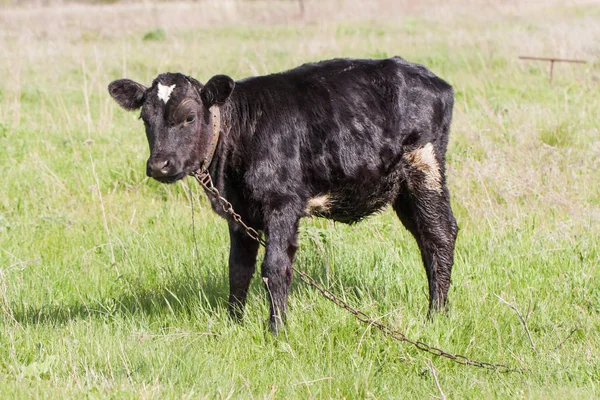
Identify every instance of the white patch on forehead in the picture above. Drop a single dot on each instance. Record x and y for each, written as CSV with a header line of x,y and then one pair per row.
x,y
164,92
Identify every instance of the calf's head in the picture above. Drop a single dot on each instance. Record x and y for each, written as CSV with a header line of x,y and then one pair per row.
x,y
180,118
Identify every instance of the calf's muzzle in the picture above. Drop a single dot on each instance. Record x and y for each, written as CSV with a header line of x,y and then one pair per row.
x,y
160,168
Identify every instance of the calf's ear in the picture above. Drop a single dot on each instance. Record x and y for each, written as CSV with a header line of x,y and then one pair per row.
x,y
129,94
217,90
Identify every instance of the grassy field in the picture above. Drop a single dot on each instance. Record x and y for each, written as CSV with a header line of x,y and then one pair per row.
x,y
102,293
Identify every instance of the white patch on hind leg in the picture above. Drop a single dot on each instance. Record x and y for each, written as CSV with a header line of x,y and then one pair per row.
x,y
164,92
424,160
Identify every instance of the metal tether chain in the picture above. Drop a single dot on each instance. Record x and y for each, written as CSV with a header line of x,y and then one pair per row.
x,y
205,181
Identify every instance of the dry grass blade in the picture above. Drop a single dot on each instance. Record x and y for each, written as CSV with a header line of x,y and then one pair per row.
x,y
4,300
523,320
558,346
437,382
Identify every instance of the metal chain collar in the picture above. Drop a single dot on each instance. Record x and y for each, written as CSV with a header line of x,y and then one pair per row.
x,y
205,181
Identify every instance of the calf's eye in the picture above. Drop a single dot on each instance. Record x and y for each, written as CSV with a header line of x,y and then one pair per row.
x,y
190,118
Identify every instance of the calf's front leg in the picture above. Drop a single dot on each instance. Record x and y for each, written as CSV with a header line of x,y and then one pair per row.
x,y
282,242
242,263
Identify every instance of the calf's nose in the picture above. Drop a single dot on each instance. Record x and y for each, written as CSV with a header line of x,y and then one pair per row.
x,y
159,168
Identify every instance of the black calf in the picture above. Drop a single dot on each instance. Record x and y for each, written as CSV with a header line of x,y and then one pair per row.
x,y
339,139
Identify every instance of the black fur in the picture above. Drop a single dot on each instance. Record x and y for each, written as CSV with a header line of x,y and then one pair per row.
x,y
340,128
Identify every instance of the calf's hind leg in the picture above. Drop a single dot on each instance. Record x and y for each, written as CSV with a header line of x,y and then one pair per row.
x,y
423,206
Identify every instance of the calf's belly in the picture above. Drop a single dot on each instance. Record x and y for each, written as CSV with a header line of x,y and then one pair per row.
x,y
351,201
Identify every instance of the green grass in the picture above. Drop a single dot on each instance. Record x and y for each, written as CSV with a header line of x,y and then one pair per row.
x,y
101,292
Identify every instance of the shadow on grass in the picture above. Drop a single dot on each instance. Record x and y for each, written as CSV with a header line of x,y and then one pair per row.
x,y
186,292
181,294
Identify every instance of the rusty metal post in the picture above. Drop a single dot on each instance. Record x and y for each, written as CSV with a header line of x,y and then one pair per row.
x,y
552,60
